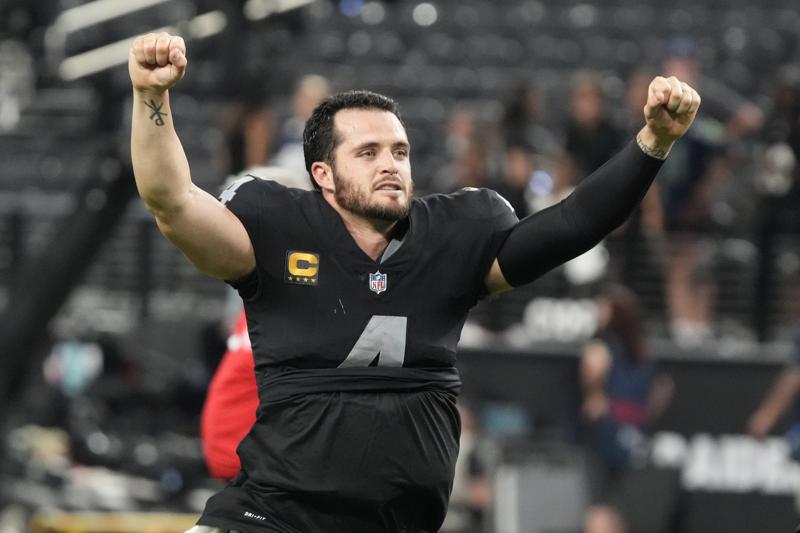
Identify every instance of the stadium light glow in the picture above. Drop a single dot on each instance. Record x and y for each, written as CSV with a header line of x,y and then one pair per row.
x,y
114,54
373,13
86,15
425,14
261,9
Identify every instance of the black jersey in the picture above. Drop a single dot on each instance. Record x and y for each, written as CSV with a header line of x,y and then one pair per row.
x,y
357,428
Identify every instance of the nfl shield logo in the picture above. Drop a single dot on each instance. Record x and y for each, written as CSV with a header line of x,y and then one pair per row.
x,y
377,282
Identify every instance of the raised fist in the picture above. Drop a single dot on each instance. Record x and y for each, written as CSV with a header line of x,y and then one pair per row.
x,y
671,107
156,62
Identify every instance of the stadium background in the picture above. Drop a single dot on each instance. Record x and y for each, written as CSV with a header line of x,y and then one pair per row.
x,y
108,336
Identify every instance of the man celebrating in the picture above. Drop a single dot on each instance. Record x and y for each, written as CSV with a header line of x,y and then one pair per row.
x,y
356,294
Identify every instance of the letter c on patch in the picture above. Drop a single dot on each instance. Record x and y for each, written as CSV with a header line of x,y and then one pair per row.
x,y
303,264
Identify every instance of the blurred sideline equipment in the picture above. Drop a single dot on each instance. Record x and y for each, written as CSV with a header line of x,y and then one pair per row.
x,y
112,522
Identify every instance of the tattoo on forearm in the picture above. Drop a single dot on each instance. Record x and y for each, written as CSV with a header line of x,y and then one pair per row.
x,y
157,115
652,152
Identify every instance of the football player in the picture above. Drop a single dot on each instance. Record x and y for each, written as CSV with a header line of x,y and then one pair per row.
x,y
356,294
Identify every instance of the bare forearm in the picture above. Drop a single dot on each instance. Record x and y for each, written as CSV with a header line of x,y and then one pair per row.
x,y
782,395
208,234
159,162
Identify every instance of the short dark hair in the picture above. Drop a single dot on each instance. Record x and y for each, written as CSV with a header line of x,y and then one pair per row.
x,y
319,137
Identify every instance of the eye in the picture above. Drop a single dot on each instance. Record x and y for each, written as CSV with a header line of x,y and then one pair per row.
x,y
368,153
401,152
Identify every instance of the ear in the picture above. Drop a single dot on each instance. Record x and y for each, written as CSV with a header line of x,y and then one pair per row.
x,y
323,175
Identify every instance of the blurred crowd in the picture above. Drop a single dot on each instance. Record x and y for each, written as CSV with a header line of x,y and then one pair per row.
x,y
708,226
708,249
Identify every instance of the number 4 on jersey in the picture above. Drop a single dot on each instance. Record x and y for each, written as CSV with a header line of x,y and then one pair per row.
x,y
383,339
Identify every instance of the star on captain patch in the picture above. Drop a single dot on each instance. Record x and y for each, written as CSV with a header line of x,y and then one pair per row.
x,y
377,282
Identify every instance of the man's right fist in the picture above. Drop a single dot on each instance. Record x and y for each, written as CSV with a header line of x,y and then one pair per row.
x,y
156,62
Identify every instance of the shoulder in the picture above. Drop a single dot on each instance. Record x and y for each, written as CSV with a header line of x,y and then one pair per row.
x,y
266,192
469,202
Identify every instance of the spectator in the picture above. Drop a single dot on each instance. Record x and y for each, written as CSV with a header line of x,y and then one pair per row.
x,y
691,183
739,116
518,167
781,397
778,184
310,91
623,393
522,121
470,163
463,134
591,137
248,120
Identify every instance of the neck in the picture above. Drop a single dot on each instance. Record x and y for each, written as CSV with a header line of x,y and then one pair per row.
x,y
370,234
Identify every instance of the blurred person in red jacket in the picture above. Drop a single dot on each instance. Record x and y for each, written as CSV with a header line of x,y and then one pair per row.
x,y
231,403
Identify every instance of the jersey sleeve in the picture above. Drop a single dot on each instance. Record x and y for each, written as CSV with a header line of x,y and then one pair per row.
x,y
598,205
257,203
483,221
241,197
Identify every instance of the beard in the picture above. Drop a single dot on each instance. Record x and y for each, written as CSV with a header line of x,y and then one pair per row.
x,y
358,202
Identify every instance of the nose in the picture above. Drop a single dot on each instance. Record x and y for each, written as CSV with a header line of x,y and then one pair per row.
x,y
388,162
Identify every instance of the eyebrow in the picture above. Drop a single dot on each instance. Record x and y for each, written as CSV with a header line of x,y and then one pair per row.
x,y
373,144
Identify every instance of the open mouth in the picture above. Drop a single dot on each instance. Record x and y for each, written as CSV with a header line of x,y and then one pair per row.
x,y
387,186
